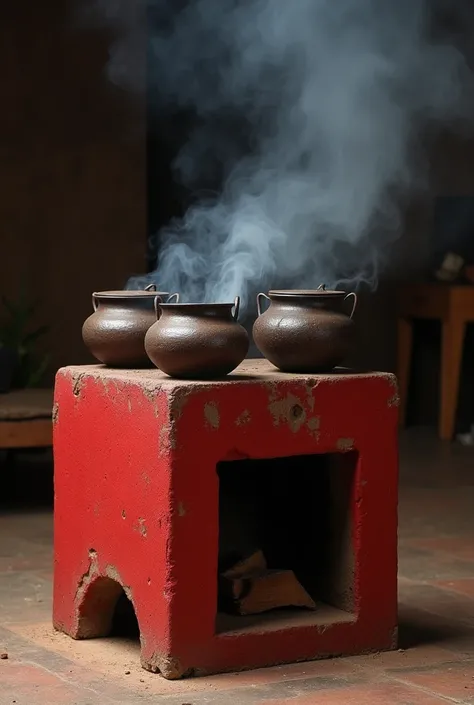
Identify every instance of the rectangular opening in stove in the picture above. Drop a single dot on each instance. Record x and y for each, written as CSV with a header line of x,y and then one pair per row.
x,y
285,539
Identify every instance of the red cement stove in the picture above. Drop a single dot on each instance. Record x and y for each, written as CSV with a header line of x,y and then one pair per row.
x,y
139,459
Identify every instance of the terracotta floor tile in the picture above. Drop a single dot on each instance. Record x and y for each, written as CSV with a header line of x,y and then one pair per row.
x,y
423,655
388,693
464,586
460,547
322,669
24,597
455,681
24,562
28,684
423,565
446,604
418,628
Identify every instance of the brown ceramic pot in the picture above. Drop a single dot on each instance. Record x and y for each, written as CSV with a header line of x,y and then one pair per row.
x,y
115,332
305,331
197,341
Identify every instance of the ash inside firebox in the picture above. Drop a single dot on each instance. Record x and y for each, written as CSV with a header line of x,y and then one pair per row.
x,y
285,536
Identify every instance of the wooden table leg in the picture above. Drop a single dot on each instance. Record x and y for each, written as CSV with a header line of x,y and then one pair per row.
x,y
453,331
405,345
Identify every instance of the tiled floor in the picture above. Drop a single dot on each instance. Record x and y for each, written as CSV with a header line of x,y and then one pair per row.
x,y
435,663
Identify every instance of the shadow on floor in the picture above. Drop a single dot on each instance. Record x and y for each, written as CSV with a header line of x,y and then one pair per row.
x,y
27,479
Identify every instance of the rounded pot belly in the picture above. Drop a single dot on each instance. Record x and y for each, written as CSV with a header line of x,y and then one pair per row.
x,y
315,344
196,354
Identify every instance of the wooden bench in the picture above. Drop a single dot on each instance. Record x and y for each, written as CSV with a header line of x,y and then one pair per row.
x,y
26,419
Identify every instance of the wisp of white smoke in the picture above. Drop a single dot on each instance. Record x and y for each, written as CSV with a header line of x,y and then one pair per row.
x,y
337,95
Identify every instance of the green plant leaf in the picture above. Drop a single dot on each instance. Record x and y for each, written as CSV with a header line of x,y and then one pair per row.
x,y
16,333
37,373
35,334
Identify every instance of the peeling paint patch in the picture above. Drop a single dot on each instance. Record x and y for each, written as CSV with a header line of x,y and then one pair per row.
x,y
78,384
55,412
141,526
112,388
211,414
129,404
112,573
312,425
167,440
88,576
345,444
124,516
169,667
163,440
181,510
179,400
243,418
287,411
310,385
394,400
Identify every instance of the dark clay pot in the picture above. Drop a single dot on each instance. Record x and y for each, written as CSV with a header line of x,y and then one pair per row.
x,y
197,341
305,331
115,332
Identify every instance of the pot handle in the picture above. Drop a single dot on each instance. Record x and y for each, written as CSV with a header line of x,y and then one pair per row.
x,y
236,307
157,301
354,304
259,305
95,302
150,287
171,296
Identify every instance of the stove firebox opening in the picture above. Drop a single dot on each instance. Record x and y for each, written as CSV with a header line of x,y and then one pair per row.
x,y
286,537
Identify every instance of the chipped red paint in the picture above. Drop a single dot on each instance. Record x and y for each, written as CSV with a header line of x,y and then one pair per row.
x,y
137,493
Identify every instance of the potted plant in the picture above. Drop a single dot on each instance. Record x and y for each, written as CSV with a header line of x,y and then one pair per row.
x,y
8,364
20,366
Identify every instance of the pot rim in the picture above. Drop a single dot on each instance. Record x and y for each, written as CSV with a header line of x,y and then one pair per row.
x,y
200,304
300,293
129,294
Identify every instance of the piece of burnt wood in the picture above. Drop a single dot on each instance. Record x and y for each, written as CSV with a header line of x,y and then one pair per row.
x,y
252,565
250,588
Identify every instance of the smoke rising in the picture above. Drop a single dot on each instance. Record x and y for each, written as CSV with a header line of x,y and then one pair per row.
x,y
337,97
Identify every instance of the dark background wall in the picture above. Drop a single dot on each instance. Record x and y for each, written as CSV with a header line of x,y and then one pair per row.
x,y
72,170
